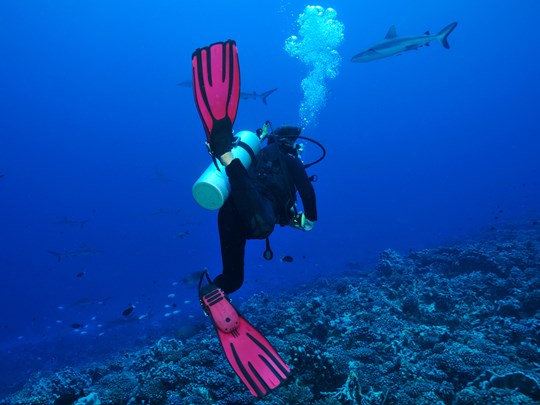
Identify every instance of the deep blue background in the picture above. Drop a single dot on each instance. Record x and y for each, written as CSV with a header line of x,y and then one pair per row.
x,y
423,148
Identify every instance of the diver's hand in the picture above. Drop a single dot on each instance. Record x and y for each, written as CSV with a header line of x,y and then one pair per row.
x,y
308,225
299,221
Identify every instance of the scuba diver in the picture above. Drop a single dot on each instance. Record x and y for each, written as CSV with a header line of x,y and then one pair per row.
x,y
261,196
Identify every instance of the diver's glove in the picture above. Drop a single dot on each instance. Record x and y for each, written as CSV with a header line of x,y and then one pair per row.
x,y
299,221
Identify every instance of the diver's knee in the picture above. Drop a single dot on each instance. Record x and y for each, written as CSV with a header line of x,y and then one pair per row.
x,y
234,285
228,284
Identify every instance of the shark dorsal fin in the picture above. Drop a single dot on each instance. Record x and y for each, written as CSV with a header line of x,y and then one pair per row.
x,y
391,32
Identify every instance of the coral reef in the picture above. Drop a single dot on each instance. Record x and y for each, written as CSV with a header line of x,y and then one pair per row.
x,y
457,324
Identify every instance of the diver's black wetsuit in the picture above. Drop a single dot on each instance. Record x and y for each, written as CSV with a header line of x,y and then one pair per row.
x,y
250,214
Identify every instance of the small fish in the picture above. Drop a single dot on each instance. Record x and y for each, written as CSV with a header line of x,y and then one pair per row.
x,y
143,316
160,176
171,295
185,83
80,274
128,310
163,211
85,302
287,259
77,325
182,234
193,278
167,314
72,222
354,265
60,307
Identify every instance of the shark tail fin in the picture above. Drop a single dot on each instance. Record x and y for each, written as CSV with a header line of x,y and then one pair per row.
x,y
56,254
266,94
443,35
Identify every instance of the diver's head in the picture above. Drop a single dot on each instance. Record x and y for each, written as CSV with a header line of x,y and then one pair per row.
x,y
286,137
287,134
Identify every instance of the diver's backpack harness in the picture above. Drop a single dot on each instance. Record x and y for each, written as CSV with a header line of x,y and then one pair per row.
x,y
270,167
271,171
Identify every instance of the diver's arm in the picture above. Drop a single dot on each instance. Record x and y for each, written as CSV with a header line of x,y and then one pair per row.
x,y
305,190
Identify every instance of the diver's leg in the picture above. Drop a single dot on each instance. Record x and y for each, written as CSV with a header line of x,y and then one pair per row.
x,y
233,242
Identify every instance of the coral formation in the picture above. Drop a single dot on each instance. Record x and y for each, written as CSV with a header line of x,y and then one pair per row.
x,y
452,325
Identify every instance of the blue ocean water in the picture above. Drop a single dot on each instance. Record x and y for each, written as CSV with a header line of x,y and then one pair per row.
x,y
99,148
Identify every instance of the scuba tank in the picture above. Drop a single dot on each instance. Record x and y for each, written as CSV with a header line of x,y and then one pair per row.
x,y
212,188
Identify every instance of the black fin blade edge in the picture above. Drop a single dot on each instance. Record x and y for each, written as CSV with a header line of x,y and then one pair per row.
x,y
269,354
245,374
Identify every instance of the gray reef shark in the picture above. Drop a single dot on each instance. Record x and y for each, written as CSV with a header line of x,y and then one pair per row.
x,y
256,96
84,302
394,45
243,95
82,251
72,222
